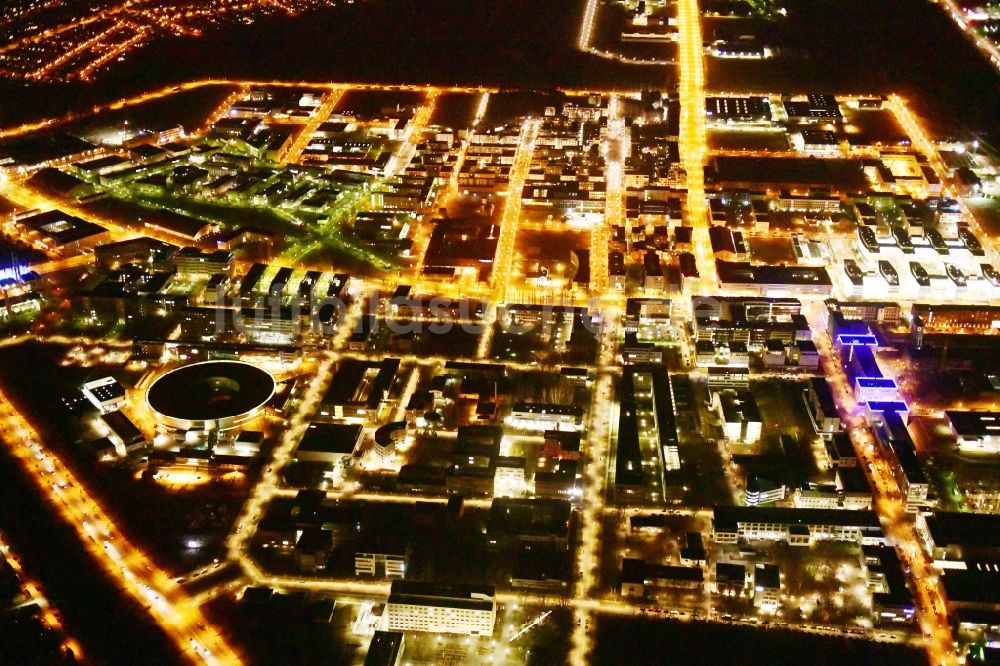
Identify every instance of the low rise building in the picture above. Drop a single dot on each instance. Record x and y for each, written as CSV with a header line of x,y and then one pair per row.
x,y
385,649
637,577
731,579
822,408
960,536
62,232
513,520
192,261
330,443
542,416
106,394
798,527
381,555
767,587
892,601
975,432
741,420
359,388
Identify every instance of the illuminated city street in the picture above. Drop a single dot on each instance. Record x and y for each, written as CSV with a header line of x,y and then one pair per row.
x,y
652,344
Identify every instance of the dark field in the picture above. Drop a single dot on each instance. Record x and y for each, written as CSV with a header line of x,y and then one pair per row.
x,y
860,46
516,43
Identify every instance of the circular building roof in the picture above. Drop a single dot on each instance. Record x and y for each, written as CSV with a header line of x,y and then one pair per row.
x,y
211,394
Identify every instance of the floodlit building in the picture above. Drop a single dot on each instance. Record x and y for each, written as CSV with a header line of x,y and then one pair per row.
x,y
106,394
441,608
329,443
767,587
797,527
976,432
821,407
741,420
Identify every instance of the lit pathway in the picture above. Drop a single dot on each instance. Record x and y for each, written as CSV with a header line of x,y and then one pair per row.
x,y
888,503
130,568
692,134
504,263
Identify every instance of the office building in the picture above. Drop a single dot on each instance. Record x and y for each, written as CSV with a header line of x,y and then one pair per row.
x,y
106,394
797,527
821,407
976,432
441,608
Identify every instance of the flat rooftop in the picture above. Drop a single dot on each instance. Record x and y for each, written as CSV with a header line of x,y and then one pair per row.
x,y
336,438
62,227
444,595
970,529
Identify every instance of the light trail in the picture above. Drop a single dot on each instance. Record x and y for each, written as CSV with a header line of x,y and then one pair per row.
x,y
616,150
587,26
692,142
128,566
484,102
888,503
504,263
588,556
529,626
270,479
414,132
319,115
32,590
985,46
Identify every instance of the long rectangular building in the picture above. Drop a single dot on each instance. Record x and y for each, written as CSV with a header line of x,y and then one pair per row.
x,y
952,535
976,432
822,408
359,388
956,318
798,527
441,608
773,280
647,411
892,434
